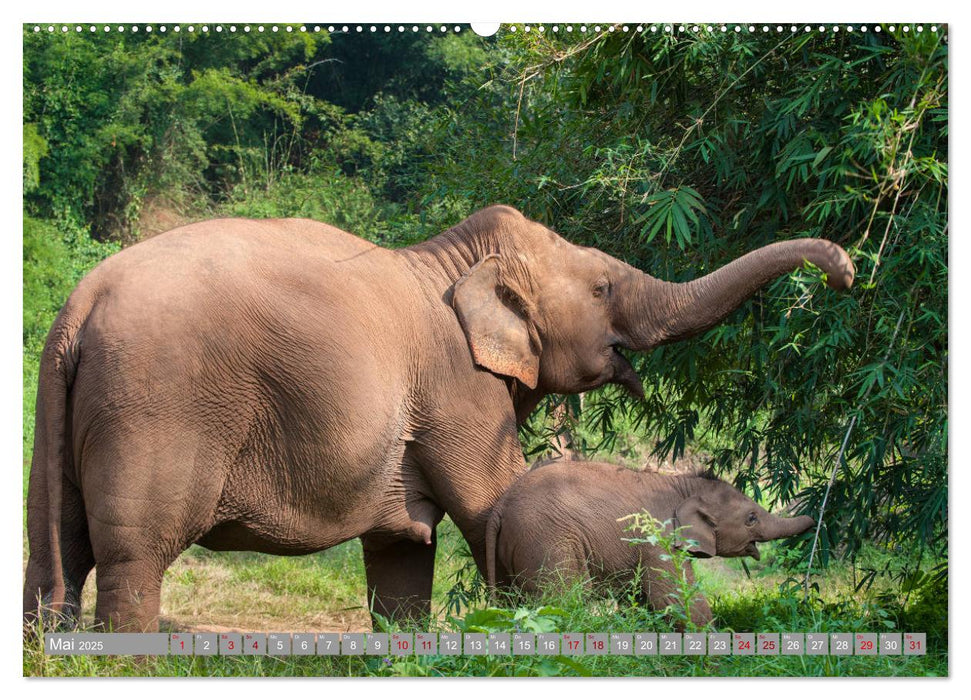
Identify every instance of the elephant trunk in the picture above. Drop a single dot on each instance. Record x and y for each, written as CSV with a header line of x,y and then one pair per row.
x,y
653,312
776,528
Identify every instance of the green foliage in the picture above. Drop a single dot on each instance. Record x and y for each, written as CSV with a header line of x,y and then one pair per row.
x,y
409,66
35,148
537,620
926,606
115,120
671,210
46,286
468,586
127,117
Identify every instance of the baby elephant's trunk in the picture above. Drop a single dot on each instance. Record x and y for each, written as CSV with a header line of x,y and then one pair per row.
x,y
776,528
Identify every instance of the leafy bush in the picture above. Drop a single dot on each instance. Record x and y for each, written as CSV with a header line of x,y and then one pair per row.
x,y
46,281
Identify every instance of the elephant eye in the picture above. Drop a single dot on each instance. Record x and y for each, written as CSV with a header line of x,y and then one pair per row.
x,y
752,519
601,289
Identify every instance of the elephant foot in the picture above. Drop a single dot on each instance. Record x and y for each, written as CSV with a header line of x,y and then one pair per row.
x,y
129,597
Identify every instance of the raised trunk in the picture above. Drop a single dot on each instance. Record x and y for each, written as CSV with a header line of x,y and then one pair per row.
x,y
652,312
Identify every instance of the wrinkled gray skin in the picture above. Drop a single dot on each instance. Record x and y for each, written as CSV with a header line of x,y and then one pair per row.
x,y
559,523
283,386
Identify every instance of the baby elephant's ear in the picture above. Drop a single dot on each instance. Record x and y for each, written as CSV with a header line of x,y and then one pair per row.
x,y
495,323
698,525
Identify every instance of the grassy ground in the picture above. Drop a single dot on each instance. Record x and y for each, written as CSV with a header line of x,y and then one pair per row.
x,y
206,591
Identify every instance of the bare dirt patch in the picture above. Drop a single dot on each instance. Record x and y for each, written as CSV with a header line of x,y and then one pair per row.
x,y
352,621
157,215
205,595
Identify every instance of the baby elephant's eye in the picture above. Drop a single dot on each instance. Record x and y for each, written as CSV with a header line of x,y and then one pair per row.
x,y
752,519
601,289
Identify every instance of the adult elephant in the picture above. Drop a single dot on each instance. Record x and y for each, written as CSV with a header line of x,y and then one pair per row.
x,y
283,386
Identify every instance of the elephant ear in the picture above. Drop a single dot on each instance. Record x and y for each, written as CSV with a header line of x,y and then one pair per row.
x,y
496,324
694,517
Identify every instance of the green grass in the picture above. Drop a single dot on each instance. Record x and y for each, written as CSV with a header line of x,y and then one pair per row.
x,y
727,666
506,667
325,592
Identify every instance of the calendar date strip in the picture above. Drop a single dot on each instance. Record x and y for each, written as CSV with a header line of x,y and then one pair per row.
x,y
400,644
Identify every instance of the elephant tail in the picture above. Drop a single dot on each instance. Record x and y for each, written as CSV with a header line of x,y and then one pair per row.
x,y
52,457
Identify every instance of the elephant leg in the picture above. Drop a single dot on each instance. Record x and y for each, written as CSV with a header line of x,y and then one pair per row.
x,y
661,590
698,608
132,557
129,596
145,505
399,577
131,562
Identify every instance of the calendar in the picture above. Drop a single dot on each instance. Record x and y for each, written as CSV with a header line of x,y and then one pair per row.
x,y
403,644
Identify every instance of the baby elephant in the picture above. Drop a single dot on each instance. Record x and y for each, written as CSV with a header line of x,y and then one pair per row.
x,y
562,517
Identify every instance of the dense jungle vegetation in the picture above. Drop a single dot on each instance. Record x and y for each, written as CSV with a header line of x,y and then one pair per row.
x,y
675,150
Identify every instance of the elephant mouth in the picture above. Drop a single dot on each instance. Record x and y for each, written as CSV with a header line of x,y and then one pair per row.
x,y
624,375
752,550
